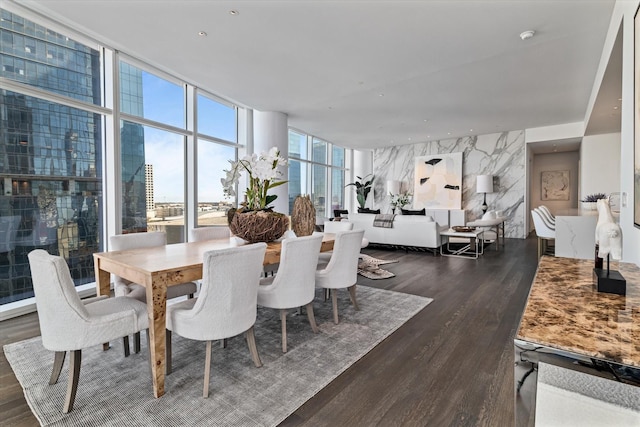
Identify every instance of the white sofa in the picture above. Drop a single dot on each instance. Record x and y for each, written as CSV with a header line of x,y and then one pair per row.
x,y
407,230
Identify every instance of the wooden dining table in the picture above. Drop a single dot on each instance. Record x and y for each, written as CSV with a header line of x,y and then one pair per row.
x,y
156,269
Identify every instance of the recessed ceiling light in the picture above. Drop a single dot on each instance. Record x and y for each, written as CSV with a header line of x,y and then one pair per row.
x,y
527,34
408,139
615,107
381,94
470,130
425,120
448,133
202,34
619,99
234,12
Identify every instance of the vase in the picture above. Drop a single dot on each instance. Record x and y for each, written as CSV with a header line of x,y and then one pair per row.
x,y
259,226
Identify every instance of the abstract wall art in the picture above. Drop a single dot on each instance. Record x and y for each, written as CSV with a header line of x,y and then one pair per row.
x,y
438,181
555,185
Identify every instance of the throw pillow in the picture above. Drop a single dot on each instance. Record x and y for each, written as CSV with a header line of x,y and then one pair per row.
x,y
410,212
368,211
489,215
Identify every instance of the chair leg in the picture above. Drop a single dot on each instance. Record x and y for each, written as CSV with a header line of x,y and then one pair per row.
x,y
190,296
167,346
58,361
352,295
136,342
223,343
539,247
72,383
283,320
251,342
312,318
207,370
334,299
125,344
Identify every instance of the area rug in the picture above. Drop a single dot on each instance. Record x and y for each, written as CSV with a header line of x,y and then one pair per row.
x,y
116,391
368,267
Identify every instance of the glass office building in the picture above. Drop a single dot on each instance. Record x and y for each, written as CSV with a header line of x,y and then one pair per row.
x,y
50,154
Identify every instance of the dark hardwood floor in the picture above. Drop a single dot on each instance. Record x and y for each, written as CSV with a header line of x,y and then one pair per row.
x,y
450,365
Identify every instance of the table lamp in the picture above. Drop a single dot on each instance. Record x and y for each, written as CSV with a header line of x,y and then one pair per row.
x,y
393,186
484,184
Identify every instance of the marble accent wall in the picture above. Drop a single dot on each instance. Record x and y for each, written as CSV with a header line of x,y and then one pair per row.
x,y
501,155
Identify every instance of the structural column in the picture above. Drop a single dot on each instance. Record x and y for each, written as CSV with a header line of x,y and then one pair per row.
x,y
362,166
270,129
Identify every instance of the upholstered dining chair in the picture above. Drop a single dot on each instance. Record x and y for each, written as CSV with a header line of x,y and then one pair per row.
x,y
70,324
544,231
293,285
209,233
342,269
334,227
226,305
124,287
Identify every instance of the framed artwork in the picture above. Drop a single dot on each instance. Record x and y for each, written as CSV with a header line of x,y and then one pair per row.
x,y
636,121
438,182
554,185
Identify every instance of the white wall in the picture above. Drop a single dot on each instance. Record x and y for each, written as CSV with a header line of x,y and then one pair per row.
x,y
623,12
600,164
555,162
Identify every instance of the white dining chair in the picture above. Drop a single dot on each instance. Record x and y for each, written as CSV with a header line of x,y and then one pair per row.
x,y
293,285
544,232
70,324
342,269
209,233
124,287
226,305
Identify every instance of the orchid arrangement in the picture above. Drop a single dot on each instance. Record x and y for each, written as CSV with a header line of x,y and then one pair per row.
x,y
263,175
400,200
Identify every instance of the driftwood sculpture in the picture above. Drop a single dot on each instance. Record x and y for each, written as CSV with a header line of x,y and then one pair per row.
x,y
303,216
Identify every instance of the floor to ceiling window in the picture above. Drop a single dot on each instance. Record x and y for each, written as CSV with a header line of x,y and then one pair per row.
x,y
217,136
50,154
317,168
52,139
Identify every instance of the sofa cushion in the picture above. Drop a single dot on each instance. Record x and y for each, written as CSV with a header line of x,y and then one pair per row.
x,y
410,212
368,211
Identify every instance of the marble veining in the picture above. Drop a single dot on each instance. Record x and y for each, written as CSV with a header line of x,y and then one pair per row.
x,y
565,312
501,155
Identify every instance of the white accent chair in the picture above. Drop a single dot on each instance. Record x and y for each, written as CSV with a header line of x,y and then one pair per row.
x,y
294,284
342,269
209,233
544,231
226,305
124,287
69,324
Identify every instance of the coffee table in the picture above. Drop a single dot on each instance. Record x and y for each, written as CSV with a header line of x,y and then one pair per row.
x,y
472,250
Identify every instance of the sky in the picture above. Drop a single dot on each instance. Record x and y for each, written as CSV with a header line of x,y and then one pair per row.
x,y
163,102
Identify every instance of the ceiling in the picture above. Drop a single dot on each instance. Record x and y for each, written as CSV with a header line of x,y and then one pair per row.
x,y
366,74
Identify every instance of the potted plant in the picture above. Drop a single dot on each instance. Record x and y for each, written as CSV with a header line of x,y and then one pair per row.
x,y
255,221
363,188
590,201
400,200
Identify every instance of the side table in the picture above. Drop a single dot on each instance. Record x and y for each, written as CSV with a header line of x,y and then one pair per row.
x,y
473,249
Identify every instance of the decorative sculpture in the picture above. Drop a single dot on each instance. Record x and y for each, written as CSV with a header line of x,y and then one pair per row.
x,y
608,232
609,244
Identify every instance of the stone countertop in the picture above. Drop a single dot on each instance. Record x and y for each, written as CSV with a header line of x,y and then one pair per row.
x,y
565,312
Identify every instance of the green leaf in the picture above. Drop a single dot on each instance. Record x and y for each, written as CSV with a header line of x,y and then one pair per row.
x,y
270,198
275,184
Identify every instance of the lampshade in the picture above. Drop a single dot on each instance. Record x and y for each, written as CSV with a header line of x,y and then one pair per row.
x,y
393,186
484,184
